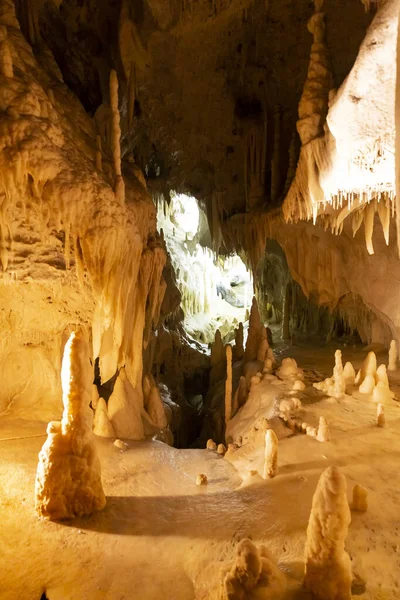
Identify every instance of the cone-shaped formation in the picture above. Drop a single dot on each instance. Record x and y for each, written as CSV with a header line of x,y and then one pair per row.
x,y
368,368
360,499
271,454
125,409
255,332
240,394
228,384
324,434
335,386
380,415
102,425
68,478
253,569
349,373
328,568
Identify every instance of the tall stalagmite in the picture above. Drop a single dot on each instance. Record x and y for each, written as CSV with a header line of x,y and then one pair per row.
x,y
68,478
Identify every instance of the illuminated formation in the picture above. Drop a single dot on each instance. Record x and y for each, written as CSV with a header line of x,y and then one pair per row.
x,y
68,476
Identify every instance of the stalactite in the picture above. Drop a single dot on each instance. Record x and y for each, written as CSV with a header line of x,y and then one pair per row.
x,y
116,136
369,225
276,156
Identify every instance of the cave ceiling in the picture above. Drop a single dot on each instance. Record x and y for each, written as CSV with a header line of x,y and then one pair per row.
x,y
204,76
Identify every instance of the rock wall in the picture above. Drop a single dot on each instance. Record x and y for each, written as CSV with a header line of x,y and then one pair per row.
x,y
71,253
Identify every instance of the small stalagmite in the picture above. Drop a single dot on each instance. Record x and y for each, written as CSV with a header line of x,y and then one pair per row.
x,y
368,368
349,373
360,499
68,476
393,356
271,454
102,425
380,415
254,335
368,384
382,393
328,568
324,433
228,384
211,445
381,375
221,449
201,479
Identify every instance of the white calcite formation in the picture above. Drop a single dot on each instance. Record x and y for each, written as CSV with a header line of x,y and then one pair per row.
x,y
254,570
368,368
324,434
334,386
68,477
360,499
289,370
271,454
102,425
380,415
349,373
328,573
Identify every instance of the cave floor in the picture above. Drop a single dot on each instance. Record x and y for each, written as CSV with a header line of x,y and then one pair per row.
x,y
162,536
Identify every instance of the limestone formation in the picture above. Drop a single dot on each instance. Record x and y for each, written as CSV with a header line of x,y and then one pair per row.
x,y
328,569
116,135
68,477
368,368
368,384
360,499
211,445
253,570
228,384
349,374
240,394
324,434
271,455
335,386
254,334
102,425
380,415
221,449
125,407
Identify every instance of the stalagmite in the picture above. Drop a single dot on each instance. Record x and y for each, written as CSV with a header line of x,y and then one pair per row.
x,y
68,478
328,568
228,384
221,449
339,386
367,386
382,393
349,373
102,425
271,454
263,350
368,368
253,338
116,136
211,445
324,434
381,375
360,499
380,415
125,409
392,366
